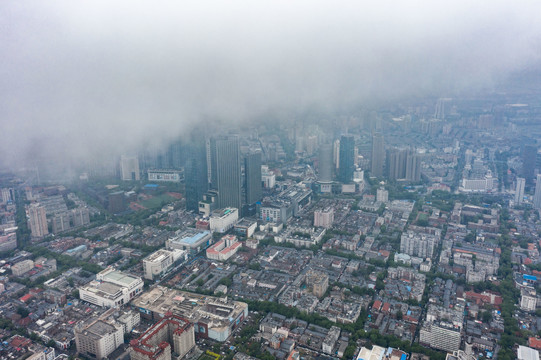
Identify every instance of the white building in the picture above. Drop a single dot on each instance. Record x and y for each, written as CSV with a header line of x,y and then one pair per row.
x,y
224,219
129,168
164,175
528,299
190,239
382,195
160,261
441,336
111,288
22,267
267,177
527,353
324,218
478,185
98,339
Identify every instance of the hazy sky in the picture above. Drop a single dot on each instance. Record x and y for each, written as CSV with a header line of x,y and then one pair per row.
x,y
78,76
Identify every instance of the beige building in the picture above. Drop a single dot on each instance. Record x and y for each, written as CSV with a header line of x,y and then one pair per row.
x,y
318,282
160,261
324,218
38,220
22,267
129,168
98,339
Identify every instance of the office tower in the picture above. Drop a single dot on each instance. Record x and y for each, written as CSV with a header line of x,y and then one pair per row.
x,y
413,166
378,155
129,168
196,174
252,171
519,191
38,220
117,202
225,171
325,163
529,154
347,159
537,194
336,154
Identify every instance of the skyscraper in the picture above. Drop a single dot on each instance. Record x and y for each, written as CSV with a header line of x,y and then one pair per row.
x,y
519,191
129,168
325,163
529,154
413,166
225,171
378,155
38,220
347,159
537,195
252,171
396,163
196,173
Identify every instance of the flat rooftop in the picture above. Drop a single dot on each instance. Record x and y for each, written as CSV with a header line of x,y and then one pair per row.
x,y
120,277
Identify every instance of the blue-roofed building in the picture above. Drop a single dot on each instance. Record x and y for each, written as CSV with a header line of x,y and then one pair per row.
x,y
529,278
192,240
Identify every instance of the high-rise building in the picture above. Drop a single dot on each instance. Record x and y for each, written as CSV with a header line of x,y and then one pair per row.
x,y
529,154
8,195
413,166
378,155
519,191
225,171
418,244
325,163
537,194
252,172
38,220
396,163
196,174
347,159
129,168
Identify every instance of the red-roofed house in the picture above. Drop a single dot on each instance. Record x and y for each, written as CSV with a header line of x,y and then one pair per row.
x,y
377,305
535,343
386,307
26,298
224,249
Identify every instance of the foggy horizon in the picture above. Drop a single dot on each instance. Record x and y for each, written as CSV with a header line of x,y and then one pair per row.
x,y
82,79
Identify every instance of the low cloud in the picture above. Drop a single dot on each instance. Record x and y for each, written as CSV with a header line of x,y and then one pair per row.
x,y
83,78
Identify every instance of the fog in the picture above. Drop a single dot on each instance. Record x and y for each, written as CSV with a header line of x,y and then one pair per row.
x,y
83,78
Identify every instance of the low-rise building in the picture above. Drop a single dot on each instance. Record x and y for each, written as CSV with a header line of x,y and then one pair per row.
x,y
111,288
528,299
22,267
224,249
213,317
99,338
160,261
172,334
190,239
